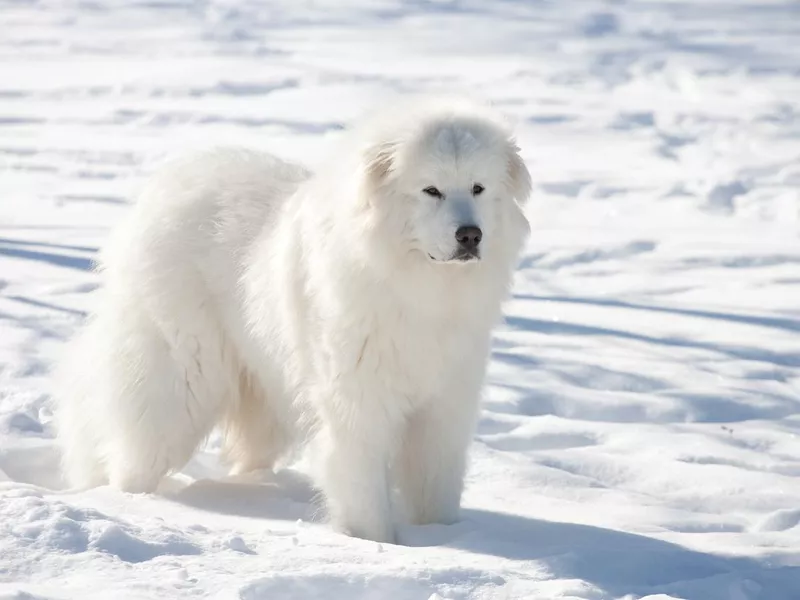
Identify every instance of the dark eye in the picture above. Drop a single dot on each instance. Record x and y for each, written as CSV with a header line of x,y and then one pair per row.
x,y
477,189
433,192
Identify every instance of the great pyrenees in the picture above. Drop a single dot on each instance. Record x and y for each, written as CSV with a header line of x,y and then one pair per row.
x,y
350,309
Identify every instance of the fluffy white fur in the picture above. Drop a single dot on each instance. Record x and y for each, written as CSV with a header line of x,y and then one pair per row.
x,y
287,307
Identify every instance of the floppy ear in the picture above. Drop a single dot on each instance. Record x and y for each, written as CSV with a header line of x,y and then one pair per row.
x,y
518,175
379,162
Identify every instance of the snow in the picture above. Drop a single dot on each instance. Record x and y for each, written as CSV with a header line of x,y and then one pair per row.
x,y
640,431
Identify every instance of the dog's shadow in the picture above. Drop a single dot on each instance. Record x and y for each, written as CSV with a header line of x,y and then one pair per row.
x,y
285,495
615,562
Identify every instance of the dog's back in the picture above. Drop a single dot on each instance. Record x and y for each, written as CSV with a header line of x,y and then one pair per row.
x,y
169,307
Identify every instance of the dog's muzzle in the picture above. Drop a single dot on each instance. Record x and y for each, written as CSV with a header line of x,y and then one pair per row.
x,y
469,238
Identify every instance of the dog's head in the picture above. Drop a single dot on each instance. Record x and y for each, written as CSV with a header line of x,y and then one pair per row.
x,y
447,184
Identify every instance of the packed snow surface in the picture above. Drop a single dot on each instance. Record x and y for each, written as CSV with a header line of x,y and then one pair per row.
x,y
640,431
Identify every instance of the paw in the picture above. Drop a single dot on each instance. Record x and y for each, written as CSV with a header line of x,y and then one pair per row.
x,y
437,515
375,533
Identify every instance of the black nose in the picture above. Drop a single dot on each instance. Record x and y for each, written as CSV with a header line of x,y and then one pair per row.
x,y
469,236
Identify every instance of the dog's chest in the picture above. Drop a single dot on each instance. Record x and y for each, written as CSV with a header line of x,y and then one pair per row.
x,y
415,358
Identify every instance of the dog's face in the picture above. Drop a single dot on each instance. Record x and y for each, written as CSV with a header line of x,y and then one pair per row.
x,y
450,192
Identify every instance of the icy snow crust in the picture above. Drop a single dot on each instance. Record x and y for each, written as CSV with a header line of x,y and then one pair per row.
x,y
640,431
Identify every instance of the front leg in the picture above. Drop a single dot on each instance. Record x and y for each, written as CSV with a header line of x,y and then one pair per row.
x,y
355,455
433,460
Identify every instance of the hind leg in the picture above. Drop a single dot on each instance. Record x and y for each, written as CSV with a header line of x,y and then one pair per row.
x,y
255,436
185,382
79,417
81,465
156,391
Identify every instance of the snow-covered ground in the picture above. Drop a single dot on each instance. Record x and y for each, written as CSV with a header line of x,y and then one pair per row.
x,y
640,432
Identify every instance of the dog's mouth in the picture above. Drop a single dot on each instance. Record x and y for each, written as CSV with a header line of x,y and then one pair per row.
x,y
465,256
459,257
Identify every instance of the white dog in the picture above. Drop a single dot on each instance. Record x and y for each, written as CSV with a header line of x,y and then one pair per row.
x,y
352,307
